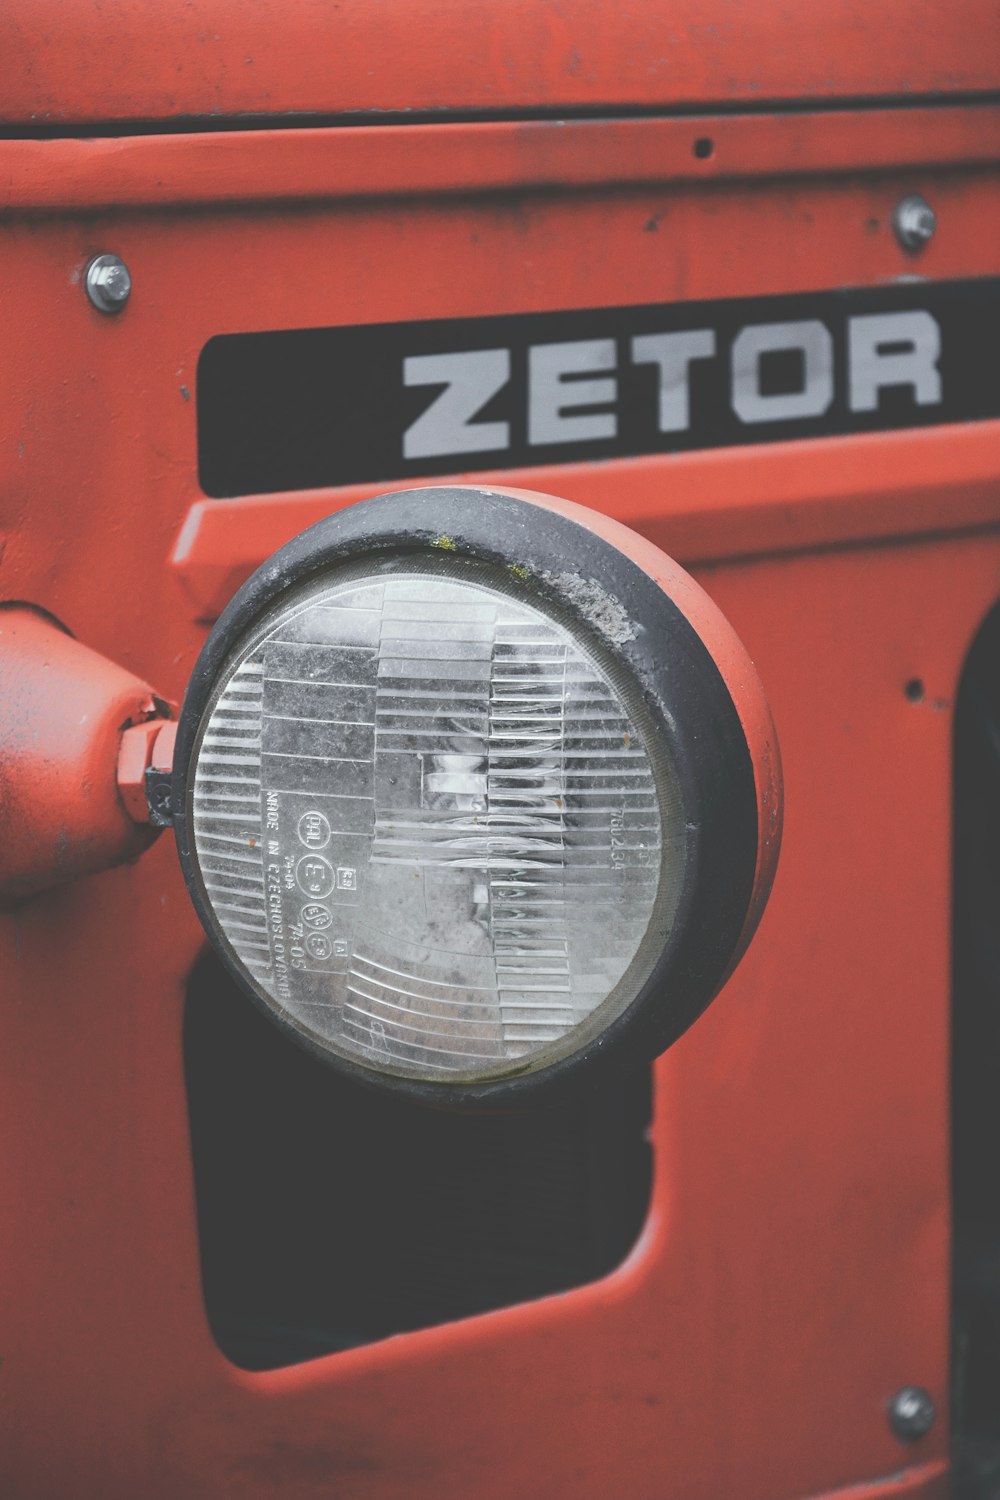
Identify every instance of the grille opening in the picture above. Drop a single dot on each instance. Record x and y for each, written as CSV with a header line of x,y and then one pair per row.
x,y
330,1217
976,1075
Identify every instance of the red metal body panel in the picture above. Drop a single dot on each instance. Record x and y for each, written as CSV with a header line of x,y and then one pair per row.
x,y
64,709
118,60
392,161
793,1272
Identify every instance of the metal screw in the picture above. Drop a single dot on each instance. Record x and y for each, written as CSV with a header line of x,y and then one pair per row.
x,y
911,1413
914,222
158,796
108,283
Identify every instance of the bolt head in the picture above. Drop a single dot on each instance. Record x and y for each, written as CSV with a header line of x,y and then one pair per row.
x,y
911,1413
914,222
108,283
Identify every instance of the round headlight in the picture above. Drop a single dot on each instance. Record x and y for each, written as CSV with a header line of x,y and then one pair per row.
x,y
464,800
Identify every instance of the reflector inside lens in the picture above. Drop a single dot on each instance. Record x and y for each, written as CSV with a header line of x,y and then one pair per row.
x,y
431,825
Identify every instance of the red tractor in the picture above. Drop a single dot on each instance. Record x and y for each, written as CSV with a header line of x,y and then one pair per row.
x,y
447,447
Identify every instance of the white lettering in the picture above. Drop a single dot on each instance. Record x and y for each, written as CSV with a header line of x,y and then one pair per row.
x,y
673,353
573,388
550,394
877,362
813,340
470,379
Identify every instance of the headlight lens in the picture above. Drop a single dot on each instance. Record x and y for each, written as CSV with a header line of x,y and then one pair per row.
x,y
476,793
432,822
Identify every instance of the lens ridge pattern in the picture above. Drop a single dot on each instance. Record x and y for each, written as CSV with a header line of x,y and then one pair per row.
x,y
428,827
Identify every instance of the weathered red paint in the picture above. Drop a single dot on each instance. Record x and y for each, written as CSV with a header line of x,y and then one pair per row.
x,y
397,161
794,1270
64,712
881,485
114,60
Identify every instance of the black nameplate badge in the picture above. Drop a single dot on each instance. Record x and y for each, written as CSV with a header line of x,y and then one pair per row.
x,y
309,408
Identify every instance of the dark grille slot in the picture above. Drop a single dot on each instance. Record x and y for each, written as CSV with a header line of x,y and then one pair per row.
x,y
975,1070
330,1217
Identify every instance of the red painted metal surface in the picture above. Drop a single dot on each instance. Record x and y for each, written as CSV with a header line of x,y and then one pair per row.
x,y
793,1272
64,712
879,486
387,161
113,59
